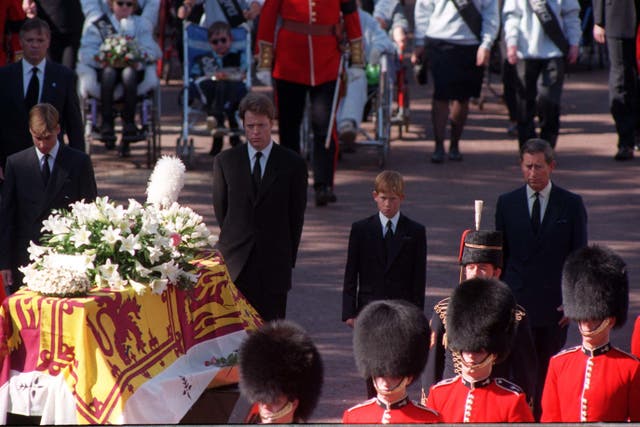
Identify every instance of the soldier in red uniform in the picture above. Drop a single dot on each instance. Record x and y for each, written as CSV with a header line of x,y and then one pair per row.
x,y
280,373
635,338
306,60
480,328
481,256
390,344
594,382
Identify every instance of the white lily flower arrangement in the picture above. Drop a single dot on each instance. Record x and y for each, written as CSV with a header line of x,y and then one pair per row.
x,y
145,247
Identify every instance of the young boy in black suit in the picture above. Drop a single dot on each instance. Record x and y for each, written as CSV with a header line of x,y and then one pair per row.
x,y
387,254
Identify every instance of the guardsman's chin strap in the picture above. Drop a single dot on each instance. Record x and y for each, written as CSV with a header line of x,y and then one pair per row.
x,y
394,395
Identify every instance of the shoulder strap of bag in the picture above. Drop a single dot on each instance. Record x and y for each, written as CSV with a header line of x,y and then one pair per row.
x,y
232,11
105,27
471,16
550,24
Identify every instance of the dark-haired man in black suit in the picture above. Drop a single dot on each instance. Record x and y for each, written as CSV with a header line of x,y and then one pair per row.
x,y
541,224
55,84
259,198
38,180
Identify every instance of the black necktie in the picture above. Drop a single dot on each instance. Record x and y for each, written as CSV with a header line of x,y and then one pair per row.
x,y
388,236
257,172
535,214
46,170
31,98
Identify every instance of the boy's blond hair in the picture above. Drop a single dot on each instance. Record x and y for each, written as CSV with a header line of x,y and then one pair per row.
x,y
389,182
43,118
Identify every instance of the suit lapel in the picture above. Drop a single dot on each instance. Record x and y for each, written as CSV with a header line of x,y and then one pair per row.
x,y
271,170
18,88
59,174
244,167
552,212
49,85
396,242
375,234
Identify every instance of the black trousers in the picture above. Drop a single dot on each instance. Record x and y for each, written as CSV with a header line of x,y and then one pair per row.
x,y
538,91
255,288
291,104
548,340
623,88
108,78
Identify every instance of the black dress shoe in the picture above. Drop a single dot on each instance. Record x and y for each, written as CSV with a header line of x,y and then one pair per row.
x,y
331,196
438,155
124,150
624,153
455,155
131,133
322,197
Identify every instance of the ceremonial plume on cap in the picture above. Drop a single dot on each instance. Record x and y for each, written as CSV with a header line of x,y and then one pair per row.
x,y
391,338
280,359
480,316
595,285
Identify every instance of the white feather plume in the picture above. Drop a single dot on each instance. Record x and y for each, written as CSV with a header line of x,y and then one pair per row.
x,y
166,181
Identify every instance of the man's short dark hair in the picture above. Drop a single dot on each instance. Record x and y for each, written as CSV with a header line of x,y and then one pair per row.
x,y
257,103
538,145
35,24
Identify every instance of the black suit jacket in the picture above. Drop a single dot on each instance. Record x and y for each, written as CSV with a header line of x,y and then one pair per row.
x,y
618,17
533,263
26,202
269,222
59,90
367,277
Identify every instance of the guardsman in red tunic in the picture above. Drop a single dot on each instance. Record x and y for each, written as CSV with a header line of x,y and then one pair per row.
x,y
280,373
305,58
480,328
390,344
635,338
594,382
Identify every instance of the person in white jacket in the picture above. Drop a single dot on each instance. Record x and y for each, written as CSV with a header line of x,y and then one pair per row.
x,y
458,50
119,21
540,62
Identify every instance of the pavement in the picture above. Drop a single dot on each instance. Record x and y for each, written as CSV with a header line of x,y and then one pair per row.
x,y
440,196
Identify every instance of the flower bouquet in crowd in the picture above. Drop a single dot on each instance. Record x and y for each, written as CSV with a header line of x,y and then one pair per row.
x,y
102,244
120,51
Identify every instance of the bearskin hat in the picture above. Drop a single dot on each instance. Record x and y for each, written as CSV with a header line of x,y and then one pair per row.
x,y
595,285
481,247
280,359
391,338
481,316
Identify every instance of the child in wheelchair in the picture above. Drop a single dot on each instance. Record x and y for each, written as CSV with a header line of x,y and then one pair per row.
x,y
218,81
350,113
117,53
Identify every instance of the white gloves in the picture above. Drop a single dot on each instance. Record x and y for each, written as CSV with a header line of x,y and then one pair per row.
x,y
264,76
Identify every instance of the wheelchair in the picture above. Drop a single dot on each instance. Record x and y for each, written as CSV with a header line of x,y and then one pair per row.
x,y
147,108
194,111
381,92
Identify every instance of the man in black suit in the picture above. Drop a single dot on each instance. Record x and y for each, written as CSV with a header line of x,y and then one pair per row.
x,y
38,180
616,23
21,89
542,224
259,198
387,255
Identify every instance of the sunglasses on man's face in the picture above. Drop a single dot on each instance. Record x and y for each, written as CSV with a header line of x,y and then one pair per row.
x,y
124,3
220,40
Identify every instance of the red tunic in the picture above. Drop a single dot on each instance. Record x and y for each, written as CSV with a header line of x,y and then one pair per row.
x,y
635,337
494,400
580,387
301,58
375,412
